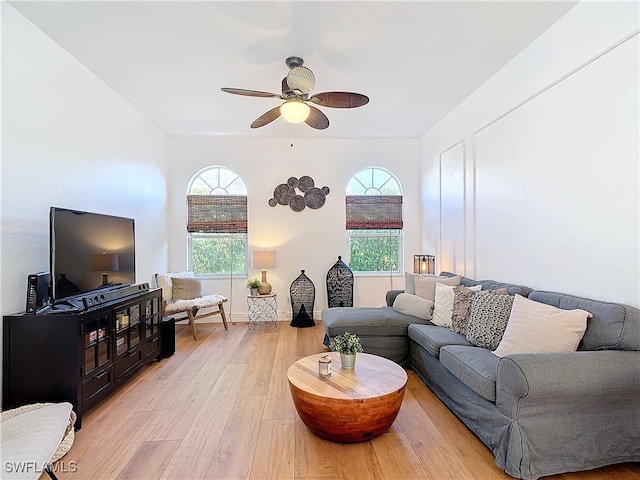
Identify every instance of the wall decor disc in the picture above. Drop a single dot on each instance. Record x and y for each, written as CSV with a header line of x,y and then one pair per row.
x,y
292,182
305,183
283,194
297,203
314,198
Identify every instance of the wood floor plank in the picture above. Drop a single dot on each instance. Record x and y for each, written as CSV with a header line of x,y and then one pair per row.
x,y
195,415
193,457
235,452
397,457
273,459
149,461
279,404
438,458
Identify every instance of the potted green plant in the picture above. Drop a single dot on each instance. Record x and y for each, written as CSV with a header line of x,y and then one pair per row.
x,y
253,284
347,345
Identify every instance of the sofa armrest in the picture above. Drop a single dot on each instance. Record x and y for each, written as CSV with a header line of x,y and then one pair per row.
x,y
584,380
391,295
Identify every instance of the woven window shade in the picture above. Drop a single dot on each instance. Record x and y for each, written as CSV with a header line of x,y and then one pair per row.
x,y
217,213
374,212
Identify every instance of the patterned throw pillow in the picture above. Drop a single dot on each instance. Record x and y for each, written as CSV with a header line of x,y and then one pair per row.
x,y
461,311
444,303
488,320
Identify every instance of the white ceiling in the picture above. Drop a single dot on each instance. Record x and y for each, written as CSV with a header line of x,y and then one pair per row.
x,y
415,60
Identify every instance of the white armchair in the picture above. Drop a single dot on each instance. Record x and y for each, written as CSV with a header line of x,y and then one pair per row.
x,y
182,294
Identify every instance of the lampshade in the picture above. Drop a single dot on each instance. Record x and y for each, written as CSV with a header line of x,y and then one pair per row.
x,y
264,260
295,110
105,262
424,264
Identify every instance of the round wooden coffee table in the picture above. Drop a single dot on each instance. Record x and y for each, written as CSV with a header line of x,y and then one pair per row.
x,y
349,405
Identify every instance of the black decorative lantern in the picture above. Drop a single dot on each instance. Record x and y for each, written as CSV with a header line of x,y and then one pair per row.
x,y
303,296
340,285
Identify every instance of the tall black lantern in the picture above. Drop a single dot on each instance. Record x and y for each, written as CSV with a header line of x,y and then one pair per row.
x,y
340,285
303,296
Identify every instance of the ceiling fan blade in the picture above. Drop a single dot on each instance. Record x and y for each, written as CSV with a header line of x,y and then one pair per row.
x,y
339,99
317,119
250,93
266,118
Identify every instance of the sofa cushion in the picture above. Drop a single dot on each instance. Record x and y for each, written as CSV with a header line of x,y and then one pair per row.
x,y
413,305
536,327
613,326
432,338
489,316
474,366
426,285
367,321
443,309
512,288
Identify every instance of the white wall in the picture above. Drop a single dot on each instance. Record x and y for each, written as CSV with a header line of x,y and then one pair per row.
x,y
534,178
70,141
310,239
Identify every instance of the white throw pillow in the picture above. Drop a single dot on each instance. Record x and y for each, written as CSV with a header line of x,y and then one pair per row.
x,y
426,285
443,308
413,305
536,327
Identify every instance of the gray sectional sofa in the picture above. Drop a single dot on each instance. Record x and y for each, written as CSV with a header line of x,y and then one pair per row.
x,y
539,413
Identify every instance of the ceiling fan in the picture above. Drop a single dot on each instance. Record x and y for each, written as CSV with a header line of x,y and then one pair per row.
x,y
296,93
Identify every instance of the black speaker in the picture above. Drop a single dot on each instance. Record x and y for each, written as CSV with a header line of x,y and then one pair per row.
x,y
37,291
167,337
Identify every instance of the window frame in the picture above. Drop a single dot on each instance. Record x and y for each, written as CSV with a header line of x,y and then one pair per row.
x,y
375,189
217,189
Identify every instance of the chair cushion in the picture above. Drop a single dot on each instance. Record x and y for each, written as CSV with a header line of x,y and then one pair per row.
x,y
203,302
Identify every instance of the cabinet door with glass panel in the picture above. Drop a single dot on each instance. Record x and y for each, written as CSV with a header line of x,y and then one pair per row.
x,y
128,329
97,343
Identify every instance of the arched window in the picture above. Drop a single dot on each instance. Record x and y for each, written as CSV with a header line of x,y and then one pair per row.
x,y
217,222
374,221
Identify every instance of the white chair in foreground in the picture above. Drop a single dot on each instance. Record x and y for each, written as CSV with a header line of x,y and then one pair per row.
x,y
182,294
33,437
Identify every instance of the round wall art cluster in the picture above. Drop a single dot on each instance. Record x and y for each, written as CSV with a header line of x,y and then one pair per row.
x,y
311,196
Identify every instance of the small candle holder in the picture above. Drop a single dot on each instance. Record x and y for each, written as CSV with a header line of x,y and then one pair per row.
x,y
324,365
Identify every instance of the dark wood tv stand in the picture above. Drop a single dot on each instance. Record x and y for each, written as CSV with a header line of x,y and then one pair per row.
x,y
79,356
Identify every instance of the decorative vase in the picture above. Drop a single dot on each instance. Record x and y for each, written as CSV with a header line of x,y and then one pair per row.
x,y
347,361
254,292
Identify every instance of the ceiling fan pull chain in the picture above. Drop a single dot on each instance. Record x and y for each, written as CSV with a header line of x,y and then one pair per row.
x,y
291,133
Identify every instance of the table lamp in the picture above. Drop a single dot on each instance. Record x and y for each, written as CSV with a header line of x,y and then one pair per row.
x,y
263,260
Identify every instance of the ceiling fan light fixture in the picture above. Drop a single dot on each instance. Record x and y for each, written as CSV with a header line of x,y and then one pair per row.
x,y
295,110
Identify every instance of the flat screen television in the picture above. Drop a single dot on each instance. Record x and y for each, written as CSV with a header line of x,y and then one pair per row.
x,y
89,251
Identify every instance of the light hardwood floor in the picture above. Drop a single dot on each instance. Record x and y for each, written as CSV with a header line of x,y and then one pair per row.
x,y
220,408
